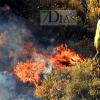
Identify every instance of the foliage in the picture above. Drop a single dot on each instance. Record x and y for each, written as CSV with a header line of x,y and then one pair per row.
x,y
86,15
81,82
85,82
87,9
86,47
92,10
53,87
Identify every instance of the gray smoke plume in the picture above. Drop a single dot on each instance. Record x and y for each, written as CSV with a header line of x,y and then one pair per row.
x,y
12,89
12,34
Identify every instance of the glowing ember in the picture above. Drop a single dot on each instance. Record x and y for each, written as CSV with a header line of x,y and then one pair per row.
x,y
3,38
6,7
30,71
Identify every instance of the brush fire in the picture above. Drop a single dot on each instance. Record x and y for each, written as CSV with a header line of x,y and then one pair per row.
x,y
33,70
21,57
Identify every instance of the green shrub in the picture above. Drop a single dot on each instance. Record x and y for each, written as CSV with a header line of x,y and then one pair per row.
x,y
92,11
88,49
85,83
53,87
81,82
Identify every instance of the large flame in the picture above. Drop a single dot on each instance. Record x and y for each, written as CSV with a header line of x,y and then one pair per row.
x,y
30,64
30,71
36,62
65,56
33,63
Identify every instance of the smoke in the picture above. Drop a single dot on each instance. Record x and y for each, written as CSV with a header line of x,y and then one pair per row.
x,y
12,89
18,43
7,86
73,44
13,35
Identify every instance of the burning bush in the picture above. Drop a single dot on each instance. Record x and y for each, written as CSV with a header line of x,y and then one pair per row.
x,y
29,71
42,65
65,56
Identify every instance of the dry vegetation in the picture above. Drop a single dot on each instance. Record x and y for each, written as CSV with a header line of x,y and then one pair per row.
x,y
81,83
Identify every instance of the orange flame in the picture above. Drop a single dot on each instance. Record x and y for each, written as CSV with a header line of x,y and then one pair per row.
x,y
30,71
65,56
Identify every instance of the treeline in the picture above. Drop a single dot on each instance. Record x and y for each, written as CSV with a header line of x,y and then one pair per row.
x,y
86,9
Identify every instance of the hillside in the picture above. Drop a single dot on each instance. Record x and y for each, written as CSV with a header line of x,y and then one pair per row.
x,y
48,62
